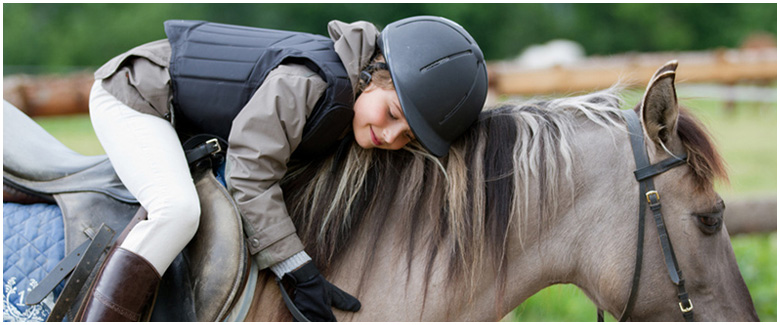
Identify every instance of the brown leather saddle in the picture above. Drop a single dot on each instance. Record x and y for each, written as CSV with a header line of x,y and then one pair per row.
x,y
203,282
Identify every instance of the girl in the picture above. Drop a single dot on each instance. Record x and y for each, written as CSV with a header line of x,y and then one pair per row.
x,y
275,96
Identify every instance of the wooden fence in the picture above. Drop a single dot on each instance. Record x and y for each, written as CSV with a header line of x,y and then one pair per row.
x,y
635,69
751,214
49,94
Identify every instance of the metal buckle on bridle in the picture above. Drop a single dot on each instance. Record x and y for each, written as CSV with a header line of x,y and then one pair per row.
x,y
686,309
653,192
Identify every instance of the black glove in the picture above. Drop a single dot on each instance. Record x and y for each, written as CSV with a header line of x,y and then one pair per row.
x,y
314,296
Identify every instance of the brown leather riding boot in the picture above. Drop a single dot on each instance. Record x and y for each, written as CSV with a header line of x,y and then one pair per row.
x,y
123,291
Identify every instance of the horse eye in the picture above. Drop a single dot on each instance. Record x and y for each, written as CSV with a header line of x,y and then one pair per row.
x,y
710,223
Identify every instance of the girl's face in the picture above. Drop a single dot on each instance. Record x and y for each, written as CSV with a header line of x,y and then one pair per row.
x,y
379,121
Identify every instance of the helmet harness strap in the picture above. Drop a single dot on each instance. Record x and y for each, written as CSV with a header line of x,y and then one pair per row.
x,y
365,75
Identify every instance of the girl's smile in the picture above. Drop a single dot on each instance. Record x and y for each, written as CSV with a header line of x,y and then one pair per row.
x,y
373,137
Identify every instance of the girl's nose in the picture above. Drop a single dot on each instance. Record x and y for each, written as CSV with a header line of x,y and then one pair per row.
x,y
392,133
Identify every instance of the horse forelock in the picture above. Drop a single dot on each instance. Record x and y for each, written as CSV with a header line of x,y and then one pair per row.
x,y
703,158
513,161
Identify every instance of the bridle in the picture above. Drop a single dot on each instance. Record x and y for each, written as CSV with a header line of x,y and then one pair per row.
x,y
644,174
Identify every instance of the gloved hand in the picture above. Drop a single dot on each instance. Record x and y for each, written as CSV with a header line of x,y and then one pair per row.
x,y
314,296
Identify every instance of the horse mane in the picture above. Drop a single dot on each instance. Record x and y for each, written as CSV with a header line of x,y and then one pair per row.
x,y
516,159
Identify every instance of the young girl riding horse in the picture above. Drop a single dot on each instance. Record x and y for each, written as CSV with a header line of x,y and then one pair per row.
x,y
275,96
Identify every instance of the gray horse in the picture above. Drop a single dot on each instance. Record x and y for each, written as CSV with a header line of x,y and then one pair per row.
x,y
533,195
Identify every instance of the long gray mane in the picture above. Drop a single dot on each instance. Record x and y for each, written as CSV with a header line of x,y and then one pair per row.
x,y
515,158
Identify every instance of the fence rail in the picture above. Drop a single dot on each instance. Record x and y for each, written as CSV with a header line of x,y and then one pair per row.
x,y
49,94
635,69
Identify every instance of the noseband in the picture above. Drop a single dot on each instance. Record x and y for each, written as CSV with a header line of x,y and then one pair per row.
x,y
644,174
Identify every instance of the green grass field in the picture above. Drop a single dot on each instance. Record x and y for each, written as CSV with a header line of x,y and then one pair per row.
x,y
746,137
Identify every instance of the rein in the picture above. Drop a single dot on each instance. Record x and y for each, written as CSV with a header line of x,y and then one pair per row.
x,y
649,196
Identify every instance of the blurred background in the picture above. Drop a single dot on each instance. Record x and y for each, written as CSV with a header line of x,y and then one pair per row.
x,y
727,75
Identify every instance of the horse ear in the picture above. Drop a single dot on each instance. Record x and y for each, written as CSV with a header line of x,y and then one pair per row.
x,y
659,109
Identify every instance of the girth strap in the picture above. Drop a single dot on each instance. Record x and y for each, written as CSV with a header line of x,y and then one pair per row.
x,y
649,196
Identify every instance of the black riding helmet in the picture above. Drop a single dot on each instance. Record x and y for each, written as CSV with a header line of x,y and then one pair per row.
x,y
439,75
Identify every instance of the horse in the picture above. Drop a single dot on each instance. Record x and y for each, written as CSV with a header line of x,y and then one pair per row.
x,y
534,194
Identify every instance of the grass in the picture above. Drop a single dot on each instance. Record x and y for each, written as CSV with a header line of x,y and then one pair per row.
x,y
746,137
756,256
757,259
75,131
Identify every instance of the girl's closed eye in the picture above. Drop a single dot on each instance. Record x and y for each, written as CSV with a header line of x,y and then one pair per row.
x,y
393,111
392,116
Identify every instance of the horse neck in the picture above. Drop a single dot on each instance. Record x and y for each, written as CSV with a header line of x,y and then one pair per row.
x,y
538,247
396,289
565,247
589,241
543,247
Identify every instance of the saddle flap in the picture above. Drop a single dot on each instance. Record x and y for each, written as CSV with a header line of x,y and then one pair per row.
x,y
217,260
218,251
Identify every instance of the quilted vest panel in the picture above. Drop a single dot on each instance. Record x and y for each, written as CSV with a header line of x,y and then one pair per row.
x,y
216,68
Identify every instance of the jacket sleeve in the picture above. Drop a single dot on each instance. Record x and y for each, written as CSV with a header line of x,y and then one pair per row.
x,y
263,136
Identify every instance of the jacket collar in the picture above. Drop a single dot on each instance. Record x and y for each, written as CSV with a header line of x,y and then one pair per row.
x,y
355,44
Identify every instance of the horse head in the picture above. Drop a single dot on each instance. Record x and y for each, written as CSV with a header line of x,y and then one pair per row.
x,y
699,252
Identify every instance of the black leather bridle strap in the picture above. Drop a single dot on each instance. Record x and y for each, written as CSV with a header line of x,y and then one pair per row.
x,y
649,196
649,171
636,137
686,306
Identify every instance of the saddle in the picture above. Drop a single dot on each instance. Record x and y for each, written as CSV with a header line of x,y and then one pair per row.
x,y
202,283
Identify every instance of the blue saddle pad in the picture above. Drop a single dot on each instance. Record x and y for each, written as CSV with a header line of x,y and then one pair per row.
x,y
33,244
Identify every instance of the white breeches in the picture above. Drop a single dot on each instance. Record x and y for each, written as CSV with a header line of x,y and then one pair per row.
x,y
147,156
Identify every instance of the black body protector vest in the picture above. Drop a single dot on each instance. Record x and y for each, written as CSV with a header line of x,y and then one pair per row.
x,y
216,68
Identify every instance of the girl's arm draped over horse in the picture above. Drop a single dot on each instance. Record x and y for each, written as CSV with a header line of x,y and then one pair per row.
x,y
262,138
265,134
